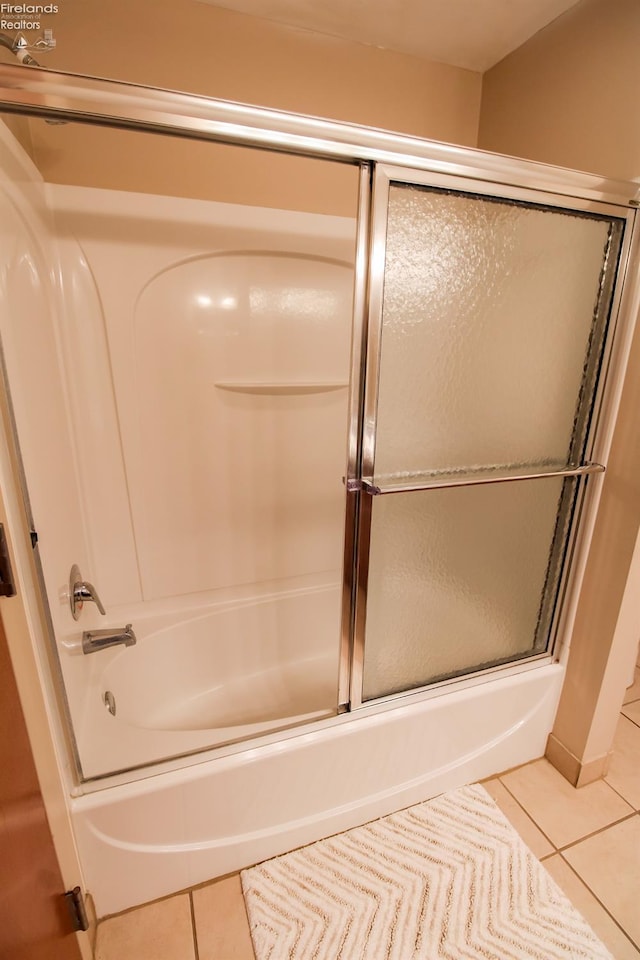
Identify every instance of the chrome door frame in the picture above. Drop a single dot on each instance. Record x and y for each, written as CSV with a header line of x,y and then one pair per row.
x,y
353,464
586,493
58,95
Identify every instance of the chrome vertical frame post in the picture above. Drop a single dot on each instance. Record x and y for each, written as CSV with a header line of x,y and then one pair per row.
x,y
360,612
354,452
379,203
599,437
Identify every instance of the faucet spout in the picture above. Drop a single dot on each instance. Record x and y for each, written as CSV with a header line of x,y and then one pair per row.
x,y
94,640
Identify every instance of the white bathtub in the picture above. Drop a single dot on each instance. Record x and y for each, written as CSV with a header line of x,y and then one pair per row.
x,y
149,838
212,675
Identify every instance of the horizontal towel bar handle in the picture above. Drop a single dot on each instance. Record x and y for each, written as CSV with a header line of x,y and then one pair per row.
x,y
368,486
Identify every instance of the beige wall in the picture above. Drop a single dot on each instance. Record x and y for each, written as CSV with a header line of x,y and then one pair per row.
x,y
570,96
198,48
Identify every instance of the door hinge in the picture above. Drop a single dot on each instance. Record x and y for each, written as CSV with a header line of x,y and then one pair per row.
x,y
7,586
34,538
77,909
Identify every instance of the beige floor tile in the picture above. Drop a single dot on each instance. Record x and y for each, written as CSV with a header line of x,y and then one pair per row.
x,y
534,838
609,863
563,813
633,693
222,927
624,770
594,913
157,931
632,711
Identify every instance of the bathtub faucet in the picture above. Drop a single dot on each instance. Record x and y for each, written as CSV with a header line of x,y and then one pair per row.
x,y
94,640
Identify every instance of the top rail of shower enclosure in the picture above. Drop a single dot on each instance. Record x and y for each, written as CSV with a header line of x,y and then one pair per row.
x,y
59,95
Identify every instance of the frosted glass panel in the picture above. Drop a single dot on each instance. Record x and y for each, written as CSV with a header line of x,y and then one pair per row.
x,y
457,579
493,318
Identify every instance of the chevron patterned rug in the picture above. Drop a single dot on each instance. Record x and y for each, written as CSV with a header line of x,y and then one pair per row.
x,y
449,878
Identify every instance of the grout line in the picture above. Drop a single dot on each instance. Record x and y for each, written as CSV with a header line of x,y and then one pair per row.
x,y
622,797
196,954
599,901
139,906
630,719
595,833
167,896
533,821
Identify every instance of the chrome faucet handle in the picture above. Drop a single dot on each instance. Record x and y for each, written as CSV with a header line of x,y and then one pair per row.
x,y
81,590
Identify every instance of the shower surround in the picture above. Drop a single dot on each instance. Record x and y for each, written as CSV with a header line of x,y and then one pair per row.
x,y
186,447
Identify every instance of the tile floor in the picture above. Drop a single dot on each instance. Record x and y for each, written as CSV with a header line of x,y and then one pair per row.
x,y
588,839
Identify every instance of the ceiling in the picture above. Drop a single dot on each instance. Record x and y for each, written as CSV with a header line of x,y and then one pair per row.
x,y
474,34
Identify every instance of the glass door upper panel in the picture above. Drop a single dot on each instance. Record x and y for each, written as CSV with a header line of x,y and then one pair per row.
x,y
494,313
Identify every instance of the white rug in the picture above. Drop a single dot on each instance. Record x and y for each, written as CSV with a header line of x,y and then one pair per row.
x,y
449,878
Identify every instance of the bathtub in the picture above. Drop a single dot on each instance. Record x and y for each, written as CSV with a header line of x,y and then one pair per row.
x,y
185,685
224,810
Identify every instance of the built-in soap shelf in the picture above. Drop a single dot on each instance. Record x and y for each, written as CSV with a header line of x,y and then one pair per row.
x,y
281,387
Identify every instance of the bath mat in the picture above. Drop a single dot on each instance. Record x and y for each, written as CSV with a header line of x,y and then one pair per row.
x,y
449,878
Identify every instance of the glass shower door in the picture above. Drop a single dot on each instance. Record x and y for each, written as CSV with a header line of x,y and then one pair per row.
x,y
488,331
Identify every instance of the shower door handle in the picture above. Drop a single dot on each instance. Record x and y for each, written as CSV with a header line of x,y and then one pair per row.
x,y
431,482
81,590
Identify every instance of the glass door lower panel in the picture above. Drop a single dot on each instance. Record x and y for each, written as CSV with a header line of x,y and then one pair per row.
x,y
457,578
